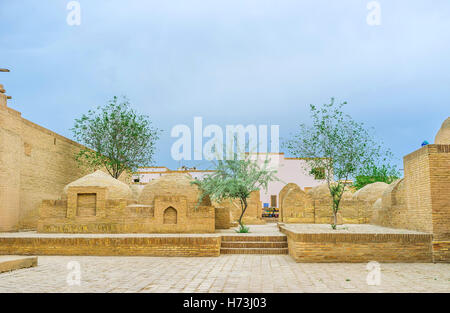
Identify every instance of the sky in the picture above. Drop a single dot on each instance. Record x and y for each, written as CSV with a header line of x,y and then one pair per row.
x,y
232,62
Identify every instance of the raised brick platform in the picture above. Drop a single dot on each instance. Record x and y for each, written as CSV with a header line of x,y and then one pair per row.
x,y
356,243
109,244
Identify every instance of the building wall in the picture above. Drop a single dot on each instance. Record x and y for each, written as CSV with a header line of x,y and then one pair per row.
x,y
421,201
418,192
35,164
289,170
439,156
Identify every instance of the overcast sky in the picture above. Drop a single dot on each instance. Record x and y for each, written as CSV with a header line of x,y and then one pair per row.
x,y
232,62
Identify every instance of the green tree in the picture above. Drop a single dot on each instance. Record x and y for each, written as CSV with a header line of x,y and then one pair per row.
x,y
115,137
337,145
236,178
372,173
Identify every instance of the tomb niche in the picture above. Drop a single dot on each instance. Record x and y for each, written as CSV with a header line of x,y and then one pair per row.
x,y
295,205
175,203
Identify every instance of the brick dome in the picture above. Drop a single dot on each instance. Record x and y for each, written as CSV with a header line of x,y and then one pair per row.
x,y
370,192
173,185
443,135
320,191
116,189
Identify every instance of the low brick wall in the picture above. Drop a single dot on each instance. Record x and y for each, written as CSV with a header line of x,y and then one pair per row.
x,y
441,251
355,248
208,246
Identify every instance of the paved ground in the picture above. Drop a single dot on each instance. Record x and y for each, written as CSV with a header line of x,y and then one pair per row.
x,y
227,273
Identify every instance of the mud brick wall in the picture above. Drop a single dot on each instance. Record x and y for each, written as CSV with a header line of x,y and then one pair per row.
x,y
116,218
208,246
222,218
35,164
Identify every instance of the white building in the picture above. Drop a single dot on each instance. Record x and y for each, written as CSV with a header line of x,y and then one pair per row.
x,y
289,170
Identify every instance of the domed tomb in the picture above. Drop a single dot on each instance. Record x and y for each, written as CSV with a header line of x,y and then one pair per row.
x,y
115,188
443,135
98,203
295,205
172,185
370,192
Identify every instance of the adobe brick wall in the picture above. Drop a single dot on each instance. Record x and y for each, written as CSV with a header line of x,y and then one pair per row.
x,y
123,216
355,248
222,216
253,214
441,251
208,246
295,205
421,201
417,190
35,164
439,156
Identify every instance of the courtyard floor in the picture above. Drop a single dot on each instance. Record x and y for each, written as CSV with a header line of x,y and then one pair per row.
x,y
227,273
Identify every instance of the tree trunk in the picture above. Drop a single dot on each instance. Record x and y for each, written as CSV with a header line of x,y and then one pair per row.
x,y
243,208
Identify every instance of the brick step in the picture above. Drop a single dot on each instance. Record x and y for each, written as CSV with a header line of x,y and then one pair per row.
x,y
254,251
255,238
254,244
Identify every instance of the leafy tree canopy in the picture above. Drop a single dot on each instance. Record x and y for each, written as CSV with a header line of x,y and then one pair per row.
x,y
337,145
372,173
116,138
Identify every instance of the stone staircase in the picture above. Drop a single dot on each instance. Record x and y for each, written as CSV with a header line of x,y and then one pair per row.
x,y
254,244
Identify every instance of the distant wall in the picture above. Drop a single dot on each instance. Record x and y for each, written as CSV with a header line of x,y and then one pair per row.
x,y
35,164
253,214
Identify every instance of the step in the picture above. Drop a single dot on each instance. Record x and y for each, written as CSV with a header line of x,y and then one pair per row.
x,y
254,251
254,244
254,238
